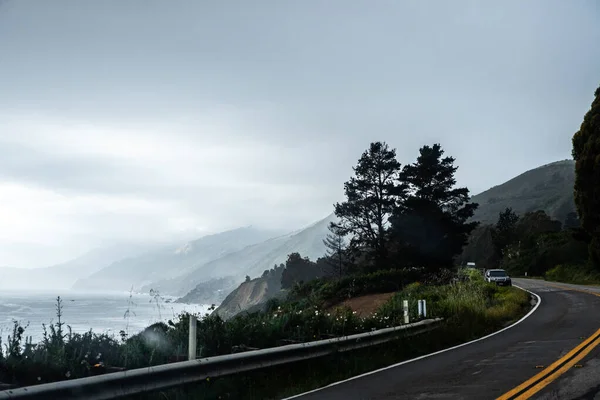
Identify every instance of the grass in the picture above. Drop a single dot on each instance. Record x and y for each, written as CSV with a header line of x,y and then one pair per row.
x,y
471,308
577,274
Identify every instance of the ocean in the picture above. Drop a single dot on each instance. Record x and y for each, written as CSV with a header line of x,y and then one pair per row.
x,y
101,312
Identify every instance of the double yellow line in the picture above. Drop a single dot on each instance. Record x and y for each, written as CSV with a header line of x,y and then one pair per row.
x,y
556,369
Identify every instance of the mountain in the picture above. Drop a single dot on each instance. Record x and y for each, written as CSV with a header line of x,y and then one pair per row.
x,y
63,276
213,291
252,260
171,261
548,188
251,296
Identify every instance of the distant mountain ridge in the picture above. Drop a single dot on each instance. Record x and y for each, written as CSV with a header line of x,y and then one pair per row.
x,y
548,187
64,275
171,261
252,260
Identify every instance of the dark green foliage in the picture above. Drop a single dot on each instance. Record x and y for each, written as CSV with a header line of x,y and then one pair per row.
x,y
578,274
322,292
430,227
505,232
540,244
480,249
586,152
298,269
371,197
473,309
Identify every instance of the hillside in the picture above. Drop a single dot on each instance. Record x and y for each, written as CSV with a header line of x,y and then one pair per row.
x,y
171,261
548,188
252,260
213,291
251,296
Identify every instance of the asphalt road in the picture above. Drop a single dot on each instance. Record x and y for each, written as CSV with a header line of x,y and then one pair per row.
x,y
489,368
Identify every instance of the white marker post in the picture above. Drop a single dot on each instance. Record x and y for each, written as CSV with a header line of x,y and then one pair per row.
x,y
192,342
420,308
405,304
424,308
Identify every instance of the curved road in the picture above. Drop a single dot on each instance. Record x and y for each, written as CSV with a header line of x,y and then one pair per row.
x,y
492,368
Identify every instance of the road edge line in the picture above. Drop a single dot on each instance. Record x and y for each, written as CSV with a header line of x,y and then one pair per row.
x,y
539,301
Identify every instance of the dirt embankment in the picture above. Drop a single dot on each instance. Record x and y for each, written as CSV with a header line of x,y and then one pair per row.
x,y
248,294
365,305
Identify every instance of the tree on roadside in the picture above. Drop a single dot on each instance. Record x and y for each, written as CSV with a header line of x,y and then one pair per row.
x,y
432,225
505,231
586,153
336,245
540,245
371,197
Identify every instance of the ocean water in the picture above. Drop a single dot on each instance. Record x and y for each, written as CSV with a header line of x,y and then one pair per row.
x,y
101,312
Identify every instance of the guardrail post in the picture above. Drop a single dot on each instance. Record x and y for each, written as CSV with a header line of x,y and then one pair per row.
x,y
192,338
424,308
405,304
420,308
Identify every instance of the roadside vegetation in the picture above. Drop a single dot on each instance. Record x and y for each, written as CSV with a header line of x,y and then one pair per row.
x,y
399,230
470,307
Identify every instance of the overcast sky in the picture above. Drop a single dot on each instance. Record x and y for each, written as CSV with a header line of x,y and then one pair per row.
x,y
151,120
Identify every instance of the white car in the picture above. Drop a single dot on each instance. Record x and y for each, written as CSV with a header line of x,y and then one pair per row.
x,y
498,276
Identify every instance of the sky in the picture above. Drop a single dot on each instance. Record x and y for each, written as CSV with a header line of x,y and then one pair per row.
x,y
143,120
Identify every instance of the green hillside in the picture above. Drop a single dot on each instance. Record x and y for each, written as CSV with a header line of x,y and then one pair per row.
x,y
548,188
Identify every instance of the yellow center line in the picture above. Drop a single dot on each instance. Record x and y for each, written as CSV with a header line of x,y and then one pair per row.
x,y
552,377
550,374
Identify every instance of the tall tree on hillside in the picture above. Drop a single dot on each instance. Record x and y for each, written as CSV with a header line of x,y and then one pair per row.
x,y
299,269
431,225
371,196
586,152
336,244
505,230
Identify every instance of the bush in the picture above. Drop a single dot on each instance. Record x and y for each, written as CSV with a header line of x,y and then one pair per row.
x,y
469,308
328,291
580,274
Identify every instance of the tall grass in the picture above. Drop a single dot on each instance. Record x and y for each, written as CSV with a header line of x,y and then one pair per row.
x,y
577,274
471,308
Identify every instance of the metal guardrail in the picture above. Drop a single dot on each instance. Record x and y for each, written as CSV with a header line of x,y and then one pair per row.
x,y
143,380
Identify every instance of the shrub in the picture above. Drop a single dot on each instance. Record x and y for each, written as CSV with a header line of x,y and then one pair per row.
x,y
573,274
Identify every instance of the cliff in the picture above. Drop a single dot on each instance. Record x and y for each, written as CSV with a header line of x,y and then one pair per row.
x,y
252,295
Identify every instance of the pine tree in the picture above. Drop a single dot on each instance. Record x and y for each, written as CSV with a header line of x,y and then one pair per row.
x,y
371,196
586,152
336,244
431,226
